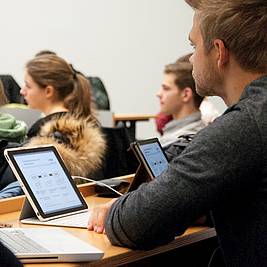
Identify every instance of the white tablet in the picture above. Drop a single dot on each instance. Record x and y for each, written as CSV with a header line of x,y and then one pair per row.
x,y
45,181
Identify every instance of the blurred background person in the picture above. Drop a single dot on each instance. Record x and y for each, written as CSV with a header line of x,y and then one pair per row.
x,y
63,95
178,99
11,130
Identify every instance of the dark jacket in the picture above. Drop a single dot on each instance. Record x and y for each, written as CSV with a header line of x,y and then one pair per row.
x,y
36,127
223,169
7,258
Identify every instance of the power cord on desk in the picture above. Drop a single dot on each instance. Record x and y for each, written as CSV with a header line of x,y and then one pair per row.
x,y
97,182
212,256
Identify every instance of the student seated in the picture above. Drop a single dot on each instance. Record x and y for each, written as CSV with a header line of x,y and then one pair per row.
x,y
178,99
12,133
63,95
224,168
55,88
11,130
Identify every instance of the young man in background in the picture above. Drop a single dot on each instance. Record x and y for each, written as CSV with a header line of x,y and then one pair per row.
x,y
178,98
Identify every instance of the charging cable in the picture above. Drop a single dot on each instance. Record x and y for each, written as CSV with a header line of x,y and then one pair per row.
x,y
98,183
212,256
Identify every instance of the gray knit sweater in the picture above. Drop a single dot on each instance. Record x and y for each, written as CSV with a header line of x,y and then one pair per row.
x,y
224,169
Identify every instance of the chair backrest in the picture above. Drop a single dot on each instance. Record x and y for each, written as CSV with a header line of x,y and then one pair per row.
x,y
22,112
12,89
99,93
117,161
105,117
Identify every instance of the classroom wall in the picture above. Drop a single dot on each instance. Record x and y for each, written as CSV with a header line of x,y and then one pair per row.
x,y
125,42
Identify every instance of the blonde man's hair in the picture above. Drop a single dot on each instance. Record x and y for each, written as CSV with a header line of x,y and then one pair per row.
x,y
193,3
240,24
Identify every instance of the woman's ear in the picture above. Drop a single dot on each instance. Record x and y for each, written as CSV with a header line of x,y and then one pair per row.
x,y
49,92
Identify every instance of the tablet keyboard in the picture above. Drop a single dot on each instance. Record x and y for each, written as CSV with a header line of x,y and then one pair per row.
x,y
75,220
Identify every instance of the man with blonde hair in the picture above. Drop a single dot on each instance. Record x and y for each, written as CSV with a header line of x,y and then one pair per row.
x,y
224,168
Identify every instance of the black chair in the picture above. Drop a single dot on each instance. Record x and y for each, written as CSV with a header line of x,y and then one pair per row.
x,y
117,161
99,93
6,174
12,89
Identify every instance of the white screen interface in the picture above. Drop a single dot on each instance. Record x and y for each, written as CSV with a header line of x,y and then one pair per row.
x,y
154,157
48,181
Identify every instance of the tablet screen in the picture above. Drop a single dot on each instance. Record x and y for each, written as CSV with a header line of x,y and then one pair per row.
x,y
153,155
46,179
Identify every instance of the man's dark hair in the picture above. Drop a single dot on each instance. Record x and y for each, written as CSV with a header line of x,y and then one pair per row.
x,y
182,69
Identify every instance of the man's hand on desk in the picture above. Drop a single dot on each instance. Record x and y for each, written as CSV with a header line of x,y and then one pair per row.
x,y
98,216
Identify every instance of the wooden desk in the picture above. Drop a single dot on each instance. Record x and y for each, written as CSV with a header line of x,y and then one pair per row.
x,y
129,121
114,256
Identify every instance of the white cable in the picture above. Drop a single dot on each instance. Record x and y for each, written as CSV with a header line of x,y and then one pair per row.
x,y
97,182
212,256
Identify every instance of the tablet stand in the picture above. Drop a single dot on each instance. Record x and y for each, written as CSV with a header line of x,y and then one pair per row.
x,y
141,174
27,210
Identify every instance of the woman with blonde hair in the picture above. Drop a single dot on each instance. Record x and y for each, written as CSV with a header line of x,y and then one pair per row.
x,y
63,95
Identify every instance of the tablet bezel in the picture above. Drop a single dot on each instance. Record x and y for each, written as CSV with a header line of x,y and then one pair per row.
x,y
11,152
136,148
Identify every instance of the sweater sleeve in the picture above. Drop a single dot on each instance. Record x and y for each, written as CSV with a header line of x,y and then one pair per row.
x,y
220,161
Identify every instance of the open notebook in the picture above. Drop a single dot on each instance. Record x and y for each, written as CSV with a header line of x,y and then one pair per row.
x,y
52,198
47,245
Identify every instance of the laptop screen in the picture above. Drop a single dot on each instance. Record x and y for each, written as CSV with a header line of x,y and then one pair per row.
x,y
46,179
153,155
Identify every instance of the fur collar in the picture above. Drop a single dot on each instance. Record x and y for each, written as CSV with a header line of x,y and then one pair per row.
x,y
80,143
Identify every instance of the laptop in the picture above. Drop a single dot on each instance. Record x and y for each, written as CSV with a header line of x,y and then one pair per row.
x,y
47,245
152,159
52,198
